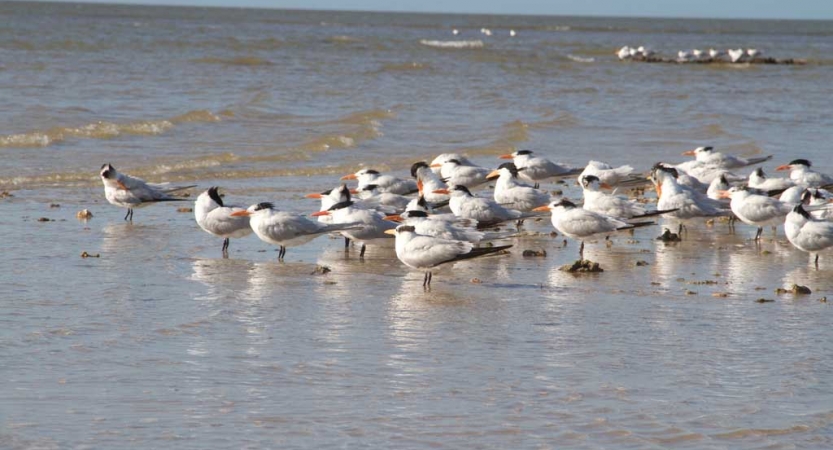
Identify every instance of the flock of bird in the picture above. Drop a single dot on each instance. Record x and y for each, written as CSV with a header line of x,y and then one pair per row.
x,y
738,55
435,218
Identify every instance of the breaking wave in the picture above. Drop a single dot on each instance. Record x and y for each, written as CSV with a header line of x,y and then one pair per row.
x,y
452,44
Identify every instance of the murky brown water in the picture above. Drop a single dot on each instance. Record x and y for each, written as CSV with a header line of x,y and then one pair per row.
x,y
160,343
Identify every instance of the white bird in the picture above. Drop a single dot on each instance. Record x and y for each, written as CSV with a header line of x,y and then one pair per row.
x,y
131,192
536,168
597,201
425,252
755,209
371,224
454,172
283,228
802,175
697,53
430,182
383,201
216,218
759,180
455,32
686,202
807,233
578,223
608,174
645,52
486,31
793,195
684,56
331,197
624,53
753,53
736,55
446,226
511,193
512,33
437,163
485,211
708,156
717,186
385,183
714,54
817,199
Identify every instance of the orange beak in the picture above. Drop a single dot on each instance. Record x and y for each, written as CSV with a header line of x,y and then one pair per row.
x,y
243,213
783,167
122,186
394,218
689,153
542,208
320,213
605,186
419,187
313,196
352,176
354,191
724,194
441,191
493,174
508,156
393,232
436,165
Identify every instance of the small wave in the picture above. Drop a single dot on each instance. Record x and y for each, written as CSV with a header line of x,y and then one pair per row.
x,y
349,131
580,59
238,61
343,39
405,67
452,44
103,130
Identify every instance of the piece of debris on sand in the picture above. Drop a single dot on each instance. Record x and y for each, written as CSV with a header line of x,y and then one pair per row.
x,y
321,270
84,214
534,253
582,266
668,236
795,290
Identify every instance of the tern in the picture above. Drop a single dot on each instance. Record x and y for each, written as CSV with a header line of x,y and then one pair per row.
x,y
426,252
366,226
807,233
759,180
385,183
510,192
444,227
736,55
686,202
717,186
430,182
371,197
331,197
802,175
485,211
608,174
131,192
437,163
755,209
578,223
283,228
536,168
216,218
597,201
454,172
624,53
708,156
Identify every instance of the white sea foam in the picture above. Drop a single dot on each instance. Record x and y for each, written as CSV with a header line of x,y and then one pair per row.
x,y
581,59
452,44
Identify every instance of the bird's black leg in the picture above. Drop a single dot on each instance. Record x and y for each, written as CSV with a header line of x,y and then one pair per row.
x,y
817,261
425,280
581,251
281,253
361,253
346,243
225,245
536,186
129,215
759,233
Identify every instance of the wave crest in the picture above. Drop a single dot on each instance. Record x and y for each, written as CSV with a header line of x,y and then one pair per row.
x,y
452,44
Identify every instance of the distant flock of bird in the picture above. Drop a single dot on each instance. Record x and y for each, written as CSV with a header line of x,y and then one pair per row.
x,y
437,216
738,55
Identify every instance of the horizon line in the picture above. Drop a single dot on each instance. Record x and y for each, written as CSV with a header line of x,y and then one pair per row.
x,y
162,4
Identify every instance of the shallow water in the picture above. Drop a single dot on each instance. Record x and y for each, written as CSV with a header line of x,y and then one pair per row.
x,y
160,343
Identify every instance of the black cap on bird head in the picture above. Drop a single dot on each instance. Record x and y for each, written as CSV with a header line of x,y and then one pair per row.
x,y
707,149
371,171
453,161
566,203
511,167
416,166
662,167
759,172
107,170
416,213
215,195
802,162
523,152
340,205
264,205
800,210
369,187
723,179
344,191
461,188
422,202
589,179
